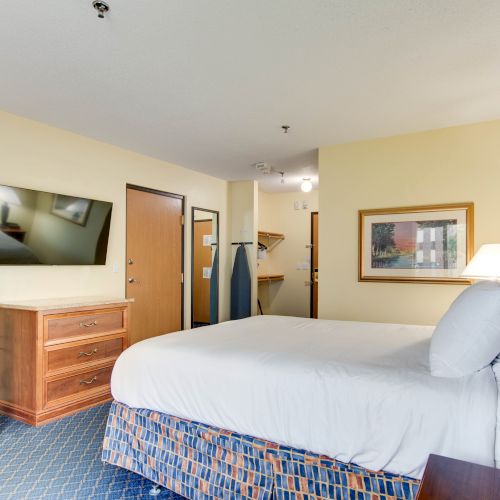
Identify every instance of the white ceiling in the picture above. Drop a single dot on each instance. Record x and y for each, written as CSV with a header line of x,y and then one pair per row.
x,y
208,83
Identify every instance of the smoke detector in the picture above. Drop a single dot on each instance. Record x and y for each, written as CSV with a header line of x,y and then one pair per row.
x,y
263,167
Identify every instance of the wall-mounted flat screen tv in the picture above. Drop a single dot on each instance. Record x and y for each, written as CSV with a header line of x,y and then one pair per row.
x,y
52,229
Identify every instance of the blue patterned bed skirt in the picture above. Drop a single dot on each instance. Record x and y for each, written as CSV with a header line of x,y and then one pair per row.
x,y
203,462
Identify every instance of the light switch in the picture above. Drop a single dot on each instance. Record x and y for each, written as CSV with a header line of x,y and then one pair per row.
x,y
296,205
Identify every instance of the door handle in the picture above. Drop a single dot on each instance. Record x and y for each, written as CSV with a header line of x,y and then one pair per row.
x,y
90,353
88,325
133,280
88,382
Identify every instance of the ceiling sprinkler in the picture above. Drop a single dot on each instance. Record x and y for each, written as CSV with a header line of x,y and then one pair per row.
x,y
101,7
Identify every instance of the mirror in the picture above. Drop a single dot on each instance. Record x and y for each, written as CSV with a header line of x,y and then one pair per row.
x,y
204,267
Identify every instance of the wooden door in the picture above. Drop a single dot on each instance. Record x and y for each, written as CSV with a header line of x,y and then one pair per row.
x,y
154,262
314,264
202,258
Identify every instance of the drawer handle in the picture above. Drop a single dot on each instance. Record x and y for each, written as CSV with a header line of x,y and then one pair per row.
x,y
90,353
88,325
88,382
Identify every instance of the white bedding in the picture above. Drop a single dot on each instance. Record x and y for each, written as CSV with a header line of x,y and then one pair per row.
x,y
357,392
15,252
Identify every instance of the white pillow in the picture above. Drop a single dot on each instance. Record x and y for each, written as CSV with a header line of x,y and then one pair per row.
x,y
468,336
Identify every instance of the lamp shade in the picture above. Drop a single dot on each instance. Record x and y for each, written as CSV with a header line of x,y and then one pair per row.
x,y
9,195
485,265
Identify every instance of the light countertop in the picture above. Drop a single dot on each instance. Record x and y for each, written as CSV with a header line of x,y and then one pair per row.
x,y
61,303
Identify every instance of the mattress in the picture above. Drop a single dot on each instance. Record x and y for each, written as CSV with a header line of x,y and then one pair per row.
x,y
15,252
357,392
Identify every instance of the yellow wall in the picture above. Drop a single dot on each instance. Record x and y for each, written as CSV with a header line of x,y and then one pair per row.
x,y
243,207
36,156
290,297
441,166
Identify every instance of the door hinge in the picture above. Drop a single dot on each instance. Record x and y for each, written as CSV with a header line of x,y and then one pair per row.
x,y
182,220
182,277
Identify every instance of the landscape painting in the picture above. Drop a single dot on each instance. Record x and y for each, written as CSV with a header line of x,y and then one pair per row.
x,y
425,244
411,245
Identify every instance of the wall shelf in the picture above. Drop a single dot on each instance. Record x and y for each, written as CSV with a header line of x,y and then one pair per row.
x,y
270,239
268,278
268,234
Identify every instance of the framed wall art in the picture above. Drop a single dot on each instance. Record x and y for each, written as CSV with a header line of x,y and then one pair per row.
x,y
427,244
70,208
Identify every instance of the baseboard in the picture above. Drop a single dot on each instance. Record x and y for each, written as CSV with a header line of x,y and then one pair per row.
x,y
37,419
18,413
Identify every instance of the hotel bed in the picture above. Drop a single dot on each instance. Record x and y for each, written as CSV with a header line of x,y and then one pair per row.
x,y
311,407
15,252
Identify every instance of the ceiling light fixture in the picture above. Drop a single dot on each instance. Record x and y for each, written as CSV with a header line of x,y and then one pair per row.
x,y
101,7
306,185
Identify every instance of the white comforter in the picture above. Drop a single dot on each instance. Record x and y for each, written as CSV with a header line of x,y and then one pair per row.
x,y
357,392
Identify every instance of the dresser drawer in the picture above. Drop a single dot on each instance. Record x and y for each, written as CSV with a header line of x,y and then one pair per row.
x,y
78,385
74,356
63,327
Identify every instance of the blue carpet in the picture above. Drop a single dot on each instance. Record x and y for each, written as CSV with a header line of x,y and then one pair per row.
x,y
62,460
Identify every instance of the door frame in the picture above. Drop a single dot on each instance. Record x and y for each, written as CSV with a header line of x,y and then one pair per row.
x,y
192,257
183,235
311,275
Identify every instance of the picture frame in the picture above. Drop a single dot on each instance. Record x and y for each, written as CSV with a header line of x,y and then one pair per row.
x,y
418,244
71,208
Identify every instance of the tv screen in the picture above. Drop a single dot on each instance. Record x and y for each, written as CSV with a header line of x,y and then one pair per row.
x,y
52,229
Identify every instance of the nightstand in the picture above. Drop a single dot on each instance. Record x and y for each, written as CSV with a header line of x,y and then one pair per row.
x,y
449,479
16,232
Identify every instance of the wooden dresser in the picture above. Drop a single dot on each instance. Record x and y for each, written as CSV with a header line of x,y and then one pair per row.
x,y
56,356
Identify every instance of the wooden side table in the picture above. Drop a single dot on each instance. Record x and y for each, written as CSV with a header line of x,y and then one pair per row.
x,y
15,232
450,479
